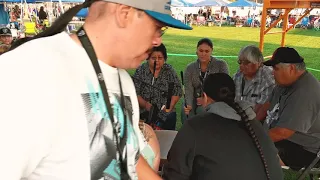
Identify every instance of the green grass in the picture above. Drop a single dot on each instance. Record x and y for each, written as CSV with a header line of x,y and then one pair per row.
x,y
229,40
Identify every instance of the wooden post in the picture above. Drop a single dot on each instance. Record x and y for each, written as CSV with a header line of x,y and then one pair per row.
x,y
285,26
263,27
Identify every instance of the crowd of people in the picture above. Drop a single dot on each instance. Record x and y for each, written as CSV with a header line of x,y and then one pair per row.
x,y
280,94
77,114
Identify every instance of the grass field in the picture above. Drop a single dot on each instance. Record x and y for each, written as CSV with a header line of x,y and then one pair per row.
x,y
229,40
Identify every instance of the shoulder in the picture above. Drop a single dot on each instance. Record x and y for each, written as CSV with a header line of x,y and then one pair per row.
x,y
169,68
311,81
266,74
198,122
309,88
126,79
192,66
237,75
219,61
266,71
34,60
142,67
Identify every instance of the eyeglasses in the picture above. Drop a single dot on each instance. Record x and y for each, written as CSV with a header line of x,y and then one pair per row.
x,y
245,62
163,30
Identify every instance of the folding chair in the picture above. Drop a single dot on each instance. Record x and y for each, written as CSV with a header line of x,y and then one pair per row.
x,y
165,138
310,170
201,21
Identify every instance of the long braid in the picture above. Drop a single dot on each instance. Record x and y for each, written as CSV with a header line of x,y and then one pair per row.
x,y
220,87
246,121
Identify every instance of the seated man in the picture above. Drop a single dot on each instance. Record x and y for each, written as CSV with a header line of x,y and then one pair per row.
x,y
293,116
254,81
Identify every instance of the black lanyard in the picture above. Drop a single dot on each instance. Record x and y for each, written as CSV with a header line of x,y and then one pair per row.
x,y
87,45
243,84
206,73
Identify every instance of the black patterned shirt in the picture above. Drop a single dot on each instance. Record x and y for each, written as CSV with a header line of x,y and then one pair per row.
x,y
157,94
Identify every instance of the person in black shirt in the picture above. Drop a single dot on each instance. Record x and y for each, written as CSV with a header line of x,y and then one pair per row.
x,y
225,142
42,14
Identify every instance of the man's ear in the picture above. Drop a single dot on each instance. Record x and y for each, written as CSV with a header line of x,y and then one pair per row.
x,y
124,15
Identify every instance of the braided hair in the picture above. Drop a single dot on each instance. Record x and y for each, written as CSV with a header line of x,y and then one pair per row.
x,y
221,88
58,26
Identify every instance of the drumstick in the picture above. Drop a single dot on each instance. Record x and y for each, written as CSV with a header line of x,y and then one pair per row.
x,y
183,90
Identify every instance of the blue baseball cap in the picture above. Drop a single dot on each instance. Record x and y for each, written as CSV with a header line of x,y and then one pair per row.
x,y
157,9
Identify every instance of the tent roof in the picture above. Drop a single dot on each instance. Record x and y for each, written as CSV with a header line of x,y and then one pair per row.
x,y
243,3
211,3
180,3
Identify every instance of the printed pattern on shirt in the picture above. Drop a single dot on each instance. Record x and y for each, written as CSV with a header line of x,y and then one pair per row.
x,y
104,158
156,93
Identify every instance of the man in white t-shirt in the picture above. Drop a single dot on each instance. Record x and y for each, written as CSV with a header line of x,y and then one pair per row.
x,y
56,122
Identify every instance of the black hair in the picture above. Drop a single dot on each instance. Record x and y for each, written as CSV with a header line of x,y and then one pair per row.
x,y
205,41
221,87
59,25
19,42
162,48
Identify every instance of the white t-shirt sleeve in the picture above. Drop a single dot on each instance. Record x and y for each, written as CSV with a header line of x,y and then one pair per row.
x,y
25,129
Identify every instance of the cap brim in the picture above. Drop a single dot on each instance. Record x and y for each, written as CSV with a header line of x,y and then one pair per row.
x,y
271,62
168,20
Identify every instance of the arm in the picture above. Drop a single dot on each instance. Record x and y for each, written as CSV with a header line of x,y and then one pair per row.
x,y
189,89
144,171
293,119
181,155
261,111
174,101
154,143
177,92
27,121
267,86
278,134
143,103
